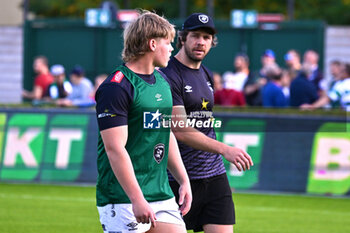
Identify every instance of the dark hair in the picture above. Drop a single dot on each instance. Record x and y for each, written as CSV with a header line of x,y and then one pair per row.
x,y
182,35
78,71
336,62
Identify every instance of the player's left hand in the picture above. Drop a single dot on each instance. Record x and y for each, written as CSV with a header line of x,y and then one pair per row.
x,y
238,157
185,198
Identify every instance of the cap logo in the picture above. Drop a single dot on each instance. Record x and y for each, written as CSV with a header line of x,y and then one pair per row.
x,y
203,18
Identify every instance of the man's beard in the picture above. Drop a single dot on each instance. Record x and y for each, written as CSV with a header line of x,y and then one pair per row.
x,y
191,56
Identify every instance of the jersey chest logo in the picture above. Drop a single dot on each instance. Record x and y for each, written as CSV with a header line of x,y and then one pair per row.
x,y
118,77
158,97
188,88
158,152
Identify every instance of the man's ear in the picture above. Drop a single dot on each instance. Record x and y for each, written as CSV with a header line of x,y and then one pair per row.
x,y
152,44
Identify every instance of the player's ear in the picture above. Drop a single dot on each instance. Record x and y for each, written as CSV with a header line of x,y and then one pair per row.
x,y
152,44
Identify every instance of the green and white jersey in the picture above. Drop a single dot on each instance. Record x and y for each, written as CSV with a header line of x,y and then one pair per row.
x,y
341,93
147,143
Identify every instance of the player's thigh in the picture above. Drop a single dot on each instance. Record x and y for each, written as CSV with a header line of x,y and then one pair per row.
x,y
162,227
214,228
120,218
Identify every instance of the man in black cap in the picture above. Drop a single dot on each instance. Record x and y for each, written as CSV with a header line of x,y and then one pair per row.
x,y
192,90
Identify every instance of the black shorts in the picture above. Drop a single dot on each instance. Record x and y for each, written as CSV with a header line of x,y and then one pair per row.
x,y
212,202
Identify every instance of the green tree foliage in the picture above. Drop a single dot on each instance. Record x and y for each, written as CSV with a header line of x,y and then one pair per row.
x,y
62,8
331,11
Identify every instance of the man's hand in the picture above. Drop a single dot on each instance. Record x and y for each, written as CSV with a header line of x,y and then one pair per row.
x,y
143,212
306,107
185,198
238,157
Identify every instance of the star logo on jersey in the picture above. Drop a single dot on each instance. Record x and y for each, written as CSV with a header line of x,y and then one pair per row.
x,y
151,120
188,88
158,97
204,104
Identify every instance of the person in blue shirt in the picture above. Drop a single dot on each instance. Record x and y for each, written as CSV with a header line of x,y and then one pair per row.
x,y
272,93
302,90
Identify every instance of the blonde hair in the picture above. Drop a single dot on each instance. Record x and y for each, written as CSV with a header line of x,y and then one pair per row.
x,y
138,33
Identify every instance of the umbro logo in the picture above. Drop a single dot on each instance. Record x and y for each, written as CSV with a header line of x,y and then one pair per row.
x,y
132,226
158,97
188,88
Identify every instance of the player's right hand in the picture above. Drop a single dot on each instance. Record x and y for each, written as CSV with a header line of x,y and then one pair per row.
x,y
238,157
143,212
185,198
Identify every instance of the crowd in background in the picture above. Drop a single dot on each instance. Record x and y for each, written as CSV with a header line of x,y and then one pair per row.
x,y
52,86
300,84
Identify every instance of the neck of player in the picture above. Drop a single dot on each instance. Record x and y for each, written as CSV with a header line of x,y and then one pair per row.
x,y
184,59
142,65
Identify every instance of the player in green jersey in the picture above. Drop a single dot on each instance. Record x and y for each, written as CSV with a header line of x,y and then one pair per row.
x,y
134,150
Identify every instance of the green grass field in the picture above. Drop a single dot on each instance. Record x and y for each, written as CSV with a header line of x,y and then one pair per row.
x,y
29,208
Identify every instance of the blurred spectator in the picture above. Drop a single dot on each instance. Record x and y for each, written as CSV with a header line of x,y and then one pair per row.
x,y
292,59
339,93
286,80
336,72
98,81
82,92
272,94
243,81
252,88
42,81
60,88
311,59
229,97
237,80
217,82
268,60
302,90
226,97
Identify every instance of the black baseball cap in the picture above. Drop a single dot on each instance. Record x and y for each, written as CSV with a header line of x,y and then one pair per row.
x,y
199,20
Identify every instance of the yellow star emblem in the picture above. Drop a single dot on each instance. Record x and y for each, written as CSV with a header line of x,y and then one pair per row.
x,y
204,104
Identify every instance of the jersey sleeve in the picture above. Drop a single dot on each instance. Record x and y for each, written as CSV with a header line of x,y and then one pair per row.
x,y
113,101
175,84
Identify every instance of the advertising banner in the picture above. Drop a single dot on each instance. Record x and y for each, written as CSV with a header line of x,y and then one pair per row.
x,y
290,153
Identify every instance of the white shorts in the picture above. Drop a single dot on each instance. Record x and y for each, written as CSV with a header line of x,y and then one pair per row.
x,y
119,218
